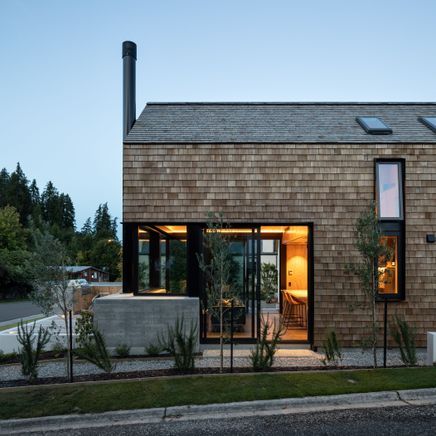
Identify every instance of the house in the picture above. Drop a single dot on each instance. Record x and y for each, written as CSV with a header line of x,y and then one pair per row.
x,y
89,273
291,179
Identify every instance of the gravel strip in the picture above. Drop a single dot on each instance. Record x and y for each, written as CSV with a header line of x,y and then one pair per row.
x,y
351,358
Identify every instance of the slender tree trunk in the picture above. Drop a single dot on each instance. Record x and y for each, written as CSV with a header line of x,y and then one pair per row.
x,y
221,330
67,336
374,316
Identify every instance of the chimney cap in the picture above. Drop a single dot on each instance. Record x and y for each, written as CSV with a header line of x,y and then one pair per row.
x,y
129,49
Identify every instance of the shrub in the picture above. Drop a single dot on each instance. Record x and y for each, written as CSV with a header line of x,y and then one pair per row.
x,y
332,349
93,349
122,350
29,353
58,350
153,350
84,327
404,336
7,357
180,345
262,357
269,277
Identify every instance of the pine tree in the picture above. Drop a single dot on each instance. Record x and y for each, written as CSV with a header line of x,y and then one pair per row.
x,y
68,213
51,207
19,194
104,226
4,187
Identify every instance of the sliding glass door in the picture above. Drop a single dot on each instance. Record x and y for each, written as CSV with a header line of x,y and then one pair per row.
x,y
241,293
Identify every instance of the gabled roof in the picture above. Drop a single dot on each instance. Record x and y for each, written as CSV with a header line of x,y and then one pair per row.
x,y
279,123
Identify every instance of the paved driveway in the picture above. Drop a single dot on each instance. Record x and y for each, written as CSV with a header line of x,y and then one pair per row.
x,y
18,309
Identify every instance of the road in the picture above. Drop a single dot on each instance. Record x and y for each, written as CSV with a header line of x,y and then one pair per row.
x,y
17,309
398,421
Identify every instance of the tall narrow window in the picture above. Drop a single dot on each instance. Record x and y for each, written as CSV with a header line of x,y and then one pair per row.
x,y
389,190
390,210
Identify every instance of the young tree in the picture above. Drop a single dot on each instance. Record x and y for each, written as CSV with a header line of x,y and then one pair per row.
x,y
51,289
217,268
371,249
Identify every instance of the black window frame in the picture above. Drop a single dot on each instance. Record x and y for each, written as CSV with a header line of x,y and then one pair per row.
x,y
386,130
394,227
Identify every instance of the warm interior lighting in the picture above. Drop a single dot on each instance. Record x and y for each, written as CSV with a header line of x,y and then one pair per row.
x,y
295,235
387,267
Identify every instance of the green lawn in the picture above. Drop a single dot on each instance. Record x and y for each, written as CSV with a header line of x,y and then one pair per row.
x,y
10,326
164,392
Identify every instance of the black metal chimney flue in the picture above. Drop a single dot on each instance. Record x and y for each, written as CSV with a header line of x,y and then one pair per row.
x,y
129,86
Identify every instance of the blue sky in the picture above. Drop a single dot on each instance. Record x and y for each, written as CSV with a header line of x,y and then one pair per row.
x,y
60,75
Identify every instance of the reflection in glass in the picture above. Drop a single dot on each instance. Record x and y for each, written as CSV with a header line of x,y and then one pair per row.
x,y
389,193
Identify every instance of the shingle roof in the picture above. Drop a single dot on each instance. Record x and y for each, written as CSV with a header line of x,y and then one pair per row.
x,y
278,123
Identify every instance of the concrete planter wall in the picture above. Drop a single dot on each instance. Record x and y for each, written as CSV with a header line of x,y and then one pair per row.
x,y
137,322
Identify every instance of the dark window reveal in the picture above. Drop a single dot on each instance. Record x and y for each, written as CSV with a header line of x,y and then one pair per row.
x,y
374,126
429,122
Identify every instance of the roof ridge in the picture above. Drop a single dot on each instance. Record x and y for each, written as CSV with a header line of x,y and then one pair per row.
x,y
284,103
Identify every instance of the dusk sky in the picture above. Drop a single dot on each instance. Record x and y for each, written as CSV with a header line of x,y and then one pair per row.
x,y
60,75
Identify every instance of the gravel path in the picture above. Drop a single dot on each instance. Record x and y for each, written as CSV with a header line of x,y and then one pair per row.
x,y
295,358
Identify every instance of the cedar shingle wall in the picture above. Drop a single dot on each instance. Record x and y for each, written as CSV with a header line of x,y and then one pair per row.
x,y
329,185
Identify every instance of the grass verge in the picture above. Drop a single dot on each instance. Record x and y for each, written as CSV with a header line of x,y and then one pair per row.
x,y
165,392
10,326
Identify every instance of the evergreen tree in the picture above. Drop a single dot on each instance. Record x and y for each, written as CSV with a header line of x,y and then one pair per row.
x,y
4,187
104,225
51,208
18,194
36,204
34,193
68,213
14,256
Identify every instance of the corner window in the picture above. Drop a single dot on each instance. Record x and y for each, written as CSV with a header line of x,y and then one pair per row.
x,y
389,176
389,190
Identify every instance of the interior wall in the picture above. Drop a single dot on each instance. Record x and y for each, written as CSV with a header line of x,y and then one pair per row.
x,y
296,266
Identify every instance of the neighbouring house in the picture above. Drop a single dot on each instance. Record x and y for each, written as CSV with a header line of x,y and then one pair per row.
x,y
90,273
291,180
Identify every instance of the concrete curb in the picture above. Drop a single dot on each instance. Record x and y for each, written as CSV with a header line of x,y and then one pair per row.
x,y
284,406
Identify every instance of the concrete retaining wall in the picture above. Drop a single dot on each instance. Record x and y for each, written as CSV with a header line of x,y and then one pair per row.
x,y
138,321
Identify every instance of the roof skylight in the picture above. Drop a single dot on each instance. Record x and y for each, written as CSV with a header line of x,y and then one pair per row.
x,y
374,126
429,122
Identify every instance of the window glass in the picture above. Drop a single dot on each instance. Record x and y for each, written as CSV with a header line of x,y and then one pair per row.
x,y
389,190
388,267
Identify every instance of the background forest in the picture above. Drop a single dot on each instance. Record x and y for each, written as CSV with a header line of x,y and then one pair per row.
x,y
26,212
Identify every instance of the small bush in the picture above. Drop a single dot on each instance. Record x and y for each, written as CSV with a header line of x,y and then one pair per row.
x,y
262,357
332,349
84,327
180,345
93,349
404,336
58,350
29,353
122,350
153,350
7,357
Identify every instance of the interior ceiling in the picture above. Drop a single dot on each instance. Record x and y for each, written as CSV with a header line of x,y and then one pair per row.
x,y
291,234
